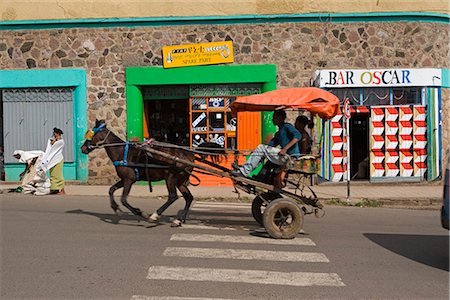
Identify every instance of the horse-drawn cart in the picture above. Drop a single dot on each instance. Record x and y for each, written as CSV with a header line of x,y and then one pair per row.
x,y
280,201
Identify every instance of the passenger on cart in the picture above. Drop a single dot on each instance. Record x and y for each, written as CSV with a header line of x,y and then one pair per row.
x,y
286,137
305,143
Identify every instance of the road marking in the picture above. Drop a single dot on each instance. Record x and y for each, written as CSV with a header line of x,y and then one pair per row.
x,y
244,276
195,226
239,239
141,297
195,215
220,209
246,254
218,227
222,204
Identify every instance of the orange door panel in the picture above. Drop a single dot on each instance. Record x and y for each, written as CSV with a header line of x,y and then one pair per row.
x,y
248,137
248,130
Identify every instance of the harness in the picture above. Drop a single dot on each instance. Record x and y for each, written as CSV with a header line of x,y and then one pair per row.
x,y
124,162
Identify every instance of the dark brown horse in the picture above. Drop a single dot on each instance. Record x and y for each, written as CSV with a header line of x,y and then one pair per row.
x,y
133,164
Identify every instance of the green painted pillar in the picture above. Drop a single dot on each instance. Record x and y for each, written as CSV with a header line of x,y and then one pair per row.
x,y
82,165
267,127
135,111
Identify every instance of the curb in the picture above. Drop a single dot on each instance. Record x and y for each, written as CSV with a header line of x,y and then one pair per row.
x,y
418,203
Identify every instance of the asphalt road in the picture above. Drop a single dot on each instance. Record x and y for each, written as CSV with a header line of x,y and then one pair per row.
x,y
74,247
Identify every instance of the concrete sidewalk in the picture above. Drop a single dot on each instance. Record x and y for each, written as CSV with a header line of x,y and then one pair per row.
x,y
363,193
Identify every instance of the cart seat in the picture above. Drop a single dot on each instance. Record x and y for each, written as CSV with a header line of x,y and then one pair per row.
x,y
305,164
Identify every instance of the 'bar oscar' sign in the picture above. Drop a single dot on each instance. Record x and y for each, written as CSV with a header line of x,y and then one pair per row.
x,y
198,54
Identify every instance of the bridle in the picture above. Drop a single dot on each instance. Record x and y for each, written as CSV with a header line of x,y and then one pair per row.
x,y
90,134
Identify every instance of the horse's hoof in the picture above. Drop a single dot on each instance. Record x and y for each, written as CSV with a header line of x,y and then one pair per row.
x,y
154,217
176,223
118,212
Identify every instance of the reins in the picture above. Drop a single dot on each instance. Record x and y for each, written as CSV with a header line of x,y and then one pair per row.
x,y
125,163
100,143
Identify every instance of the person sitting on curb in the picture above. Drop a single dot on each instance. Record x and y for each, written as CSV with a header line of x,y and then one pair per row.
x,y
287,138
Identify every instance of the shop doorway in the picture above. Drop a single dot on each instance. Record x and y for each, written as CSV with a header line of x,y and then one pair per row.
x,y
167,120
359,147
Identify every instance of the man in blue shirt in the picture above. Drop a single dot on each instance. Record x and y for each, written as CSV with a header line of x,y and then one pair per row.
x,y
287,138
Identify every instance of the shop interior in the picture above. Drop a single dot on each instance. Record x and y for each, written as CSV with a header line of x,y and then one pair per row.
x,y
189,115
168,120
359,147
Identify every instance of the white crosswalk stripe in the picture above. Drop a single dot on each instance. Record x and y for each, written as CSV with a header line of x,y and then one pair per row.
x,y
211,206
140,297
200,226
239,239
232,218
246,254
221,205
244,276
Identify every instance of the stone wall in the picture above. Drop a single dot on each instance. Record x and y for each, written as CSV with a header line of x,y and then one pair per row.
x,y
298,49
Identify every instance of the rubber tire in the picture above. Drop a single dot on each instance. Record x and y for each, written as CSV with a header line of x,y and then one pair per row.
x,y
258,203
257,213
272,213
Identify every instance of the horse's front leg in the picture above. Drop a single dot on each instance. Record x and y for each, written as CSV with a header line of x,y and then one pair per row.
x,y
188,198
172,189
112,202
124,199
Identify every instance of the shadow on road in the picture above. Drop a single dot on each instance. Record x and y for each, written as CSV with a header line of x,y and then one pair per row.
x,y
115,219
431,250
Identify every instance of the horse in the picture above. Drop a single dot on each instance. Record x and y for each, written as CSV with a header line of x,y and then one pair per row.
x,y
133,163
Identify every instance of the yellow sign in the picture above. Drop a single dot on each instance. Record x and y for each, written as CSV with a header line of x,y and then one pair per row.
x,y
198,54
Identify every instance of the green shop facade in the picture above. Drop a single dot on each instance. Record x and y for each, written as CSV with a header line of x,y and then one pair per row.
x,y
222,83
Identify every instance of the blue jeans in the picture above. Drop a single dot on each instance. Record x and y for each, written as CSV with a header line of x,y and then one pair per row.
x,y
263,152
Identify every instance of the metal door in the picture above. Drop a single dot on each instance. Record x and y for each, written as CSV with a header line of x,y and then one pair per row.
x,y
29,116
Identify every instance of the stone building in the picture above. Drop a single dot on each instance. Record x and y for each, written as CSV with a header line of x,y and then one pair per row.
x,y
73,62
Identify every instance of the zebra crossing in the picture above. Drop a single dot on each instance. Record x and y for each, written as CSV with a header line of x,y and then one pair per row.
x,y
188,250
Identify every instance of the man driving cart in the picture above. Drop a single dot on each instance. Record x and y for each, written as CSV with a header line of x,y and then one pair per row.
x,y
286,137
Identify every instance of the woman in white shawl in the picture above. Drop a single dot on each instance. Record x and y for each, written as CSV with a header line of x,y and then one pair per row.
x,y
53,160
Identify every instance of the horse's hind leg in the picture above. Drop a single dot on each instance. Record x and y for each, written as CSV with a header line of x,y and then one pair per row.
x,y
188,198
172,189
112,202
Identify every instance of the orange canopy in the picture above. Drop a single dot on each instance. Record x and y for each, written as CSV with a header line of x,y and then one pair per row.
x,y
315,100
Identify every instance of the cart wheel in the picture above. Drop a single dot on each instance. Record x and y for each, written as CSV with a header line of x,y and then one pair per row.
x,y
283,219
258,206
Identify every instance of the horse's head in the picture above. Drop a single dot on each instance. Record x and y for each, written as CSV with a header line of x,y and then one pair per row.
x,y
95,137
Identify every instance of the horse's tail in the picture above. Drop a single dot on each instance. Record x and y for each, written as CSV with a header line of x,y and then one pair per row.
x,y
214,151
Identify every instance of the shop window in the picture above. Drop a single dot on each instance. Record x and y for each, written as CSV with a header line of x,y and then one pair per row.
x,y
211,121
407,96
380,96
375,96
352,94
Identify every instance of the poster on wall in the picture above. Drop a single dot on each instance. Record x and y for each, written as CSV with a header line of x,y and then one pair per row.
x,y
199,122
